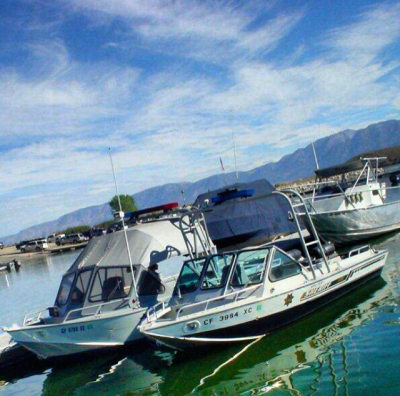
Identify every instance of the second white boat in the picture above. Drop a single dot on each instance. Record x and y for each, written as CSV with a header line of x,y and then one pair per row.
x,y
246,294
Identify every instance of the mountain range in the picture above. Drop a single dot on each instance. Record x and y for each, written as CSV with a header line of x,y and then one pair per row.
x,y
331,150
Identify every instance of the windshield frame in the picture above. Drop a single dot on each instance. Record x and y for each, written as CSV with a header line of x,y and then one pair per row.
x,y
57,303
177,291
227,278
266,262
136,269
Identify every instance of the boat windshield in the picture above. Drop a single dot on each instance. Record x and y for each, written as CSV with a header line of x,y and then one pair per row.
x,y
111,284
250,267
190,275
65,289
217,271
81,287
283,267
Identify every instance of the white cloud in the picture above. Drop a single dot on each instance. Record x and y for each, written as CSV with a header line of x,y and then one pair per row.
x,y
376,28
211,30
173,124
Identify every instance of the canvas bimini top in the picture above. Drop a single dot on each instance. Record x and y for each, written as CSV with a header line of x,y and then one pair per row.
x,y
149,243
245,213
340,169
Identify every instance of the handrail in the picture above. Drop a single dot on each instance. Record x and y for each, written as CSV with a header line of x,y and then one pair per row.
x,y
288,195
356,251
29,318
207,302
154,309
322,197
98,311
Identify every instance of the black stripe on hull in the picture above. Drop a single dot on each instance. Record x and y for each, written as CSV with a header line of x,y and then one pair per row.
x,y
276,321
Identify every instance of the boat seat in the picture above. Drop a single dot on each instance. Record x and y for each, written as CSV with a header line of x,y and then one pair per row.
x,y
225,274
240,277
113,287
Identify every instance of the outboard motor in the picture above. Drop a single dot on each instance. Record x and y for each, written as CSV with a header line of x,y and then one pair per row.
x,y
329,249
54,312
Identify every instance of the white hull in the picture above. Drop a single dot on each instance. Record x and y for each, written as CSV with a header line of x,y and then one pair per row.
x,y
255,317
354,225
82,335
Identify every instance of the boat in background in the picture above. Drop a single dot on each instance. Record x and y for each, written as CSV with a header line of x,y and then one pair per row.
x,y
344,212
243,295
107,290
244,214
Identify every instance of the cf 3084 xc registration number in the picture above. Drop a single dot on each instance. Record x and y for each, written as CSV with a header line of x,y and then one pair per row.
x,y
232,315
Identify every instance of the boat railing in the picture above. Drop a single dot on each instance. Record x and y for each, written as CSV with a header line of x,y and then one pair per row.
x,y
347,196
359,250
34,317
151,313
97,308
206,303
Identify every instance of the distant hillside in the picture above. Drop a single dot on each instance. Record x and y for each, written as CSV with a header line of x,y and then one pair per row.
x,y
331,150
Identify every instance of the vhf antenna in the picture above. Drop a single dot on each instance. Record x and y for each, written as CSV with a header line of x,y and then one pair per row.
x,y
121,213
315,153
234,153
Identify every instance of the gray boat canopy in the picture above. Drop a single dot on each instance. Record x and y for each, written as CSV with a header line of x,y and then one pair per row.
x,y
340,169
149,243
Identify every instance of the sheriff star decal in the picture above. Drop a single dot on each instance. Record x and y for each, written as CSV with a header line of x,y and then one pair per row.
x,y
288,299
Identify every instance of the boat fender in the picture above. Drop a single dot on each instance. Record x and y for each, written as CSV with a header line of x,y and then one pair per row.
x,y
329,249
295,254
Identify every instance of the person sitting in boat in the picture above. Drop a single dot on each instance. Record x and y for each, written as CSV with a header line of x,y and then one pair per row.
x,y
152,280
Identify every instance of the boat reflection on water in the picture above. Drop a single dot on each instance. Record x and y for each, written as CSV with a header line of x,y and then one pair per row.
x,y
270,362
262,365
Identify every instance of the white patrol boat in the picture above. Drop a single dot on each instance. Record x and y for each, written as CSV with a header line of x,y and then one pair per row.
x,y
352,212
99,303
246,294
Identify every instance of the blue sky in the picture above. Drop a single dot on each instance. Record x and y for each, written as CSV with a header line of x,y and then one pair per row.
x,y
165,83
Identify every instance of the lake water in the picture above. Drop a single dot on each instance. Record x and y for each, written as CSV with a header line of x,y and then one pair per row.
x,y
351,347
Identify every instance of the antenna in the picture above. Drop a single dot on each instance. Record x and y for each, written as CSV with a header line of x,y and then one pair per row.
x,y
315,153
223,171
183,196
123,224
234,153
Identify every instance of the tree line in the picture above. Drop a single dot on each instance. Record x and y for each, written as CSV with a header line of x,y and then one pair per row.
x,y
128,204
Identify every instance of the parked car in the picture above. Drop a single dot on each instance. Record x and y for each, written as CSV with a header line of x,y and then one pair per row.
x,y
52,238
95,232
72,239
1,245
115,228
20,244
34,246
87,234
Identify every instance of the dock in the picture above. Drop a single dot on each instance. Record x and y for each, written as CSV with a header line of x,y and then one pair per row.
x,y
10,253
66,248
11,353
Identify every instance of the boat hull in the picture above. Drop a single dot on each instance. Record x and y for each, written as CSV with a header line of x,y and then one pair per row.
x,y
343,227
258,319
78,336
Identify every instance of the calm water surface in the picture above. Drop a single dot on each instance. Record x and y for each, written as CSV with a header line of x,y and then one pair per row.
x,y
352,347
